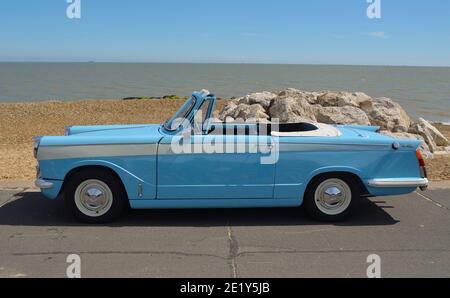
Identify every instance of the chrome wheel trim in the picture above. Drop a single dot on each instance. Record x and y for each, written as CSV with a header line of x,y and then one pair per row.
x,y
333,196
93,198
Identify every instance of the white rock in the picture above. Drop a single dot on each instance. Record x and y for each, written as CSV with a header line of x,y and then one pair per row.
x,y
292,110
255,111
389,115
341,115
262,98
434,138
228,110
342,99
438,137
311,97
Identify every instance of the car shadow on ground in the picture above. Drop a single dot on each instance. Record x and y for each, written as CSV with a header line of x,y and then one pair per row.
x,y
31,209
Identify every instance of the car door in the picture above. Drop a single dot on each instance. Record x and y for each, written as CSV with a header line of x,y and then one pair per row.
x,y
217,166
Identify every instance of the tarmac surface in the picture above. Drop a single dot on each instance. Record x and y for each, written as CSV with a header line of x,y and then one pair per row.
x,y
411,234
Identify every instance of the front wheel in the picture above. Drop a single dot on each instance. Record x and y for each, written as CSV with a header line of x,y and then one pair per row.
x,y
331,198
95,196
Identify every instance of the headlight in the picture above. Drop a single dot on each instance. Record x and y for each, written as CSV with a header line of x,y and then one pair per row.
x,y
67,130
36,143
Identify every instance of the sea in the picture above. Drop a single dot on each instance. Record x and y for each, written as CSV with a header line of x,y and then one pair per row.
x,y
422,91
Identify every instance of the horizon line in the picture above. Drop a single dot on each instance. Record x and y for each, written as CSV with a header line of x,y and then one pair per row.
x,y
228,63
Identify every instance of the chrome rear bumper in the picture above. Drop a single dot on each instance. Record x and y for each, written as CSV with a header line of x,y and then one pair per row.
x,y
400,182
42,184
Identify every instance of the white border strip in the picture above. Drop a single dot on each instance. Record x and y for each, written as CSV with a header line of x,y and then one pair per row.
x,y
92,151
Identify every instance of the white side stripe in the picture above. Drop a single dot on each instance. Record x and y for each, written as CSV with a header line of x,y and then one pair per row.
x,y
92,151
89,151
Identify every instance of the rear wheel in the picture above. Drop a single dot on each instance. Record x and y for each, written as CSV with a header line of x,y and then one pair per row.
x,y
95,196
331,197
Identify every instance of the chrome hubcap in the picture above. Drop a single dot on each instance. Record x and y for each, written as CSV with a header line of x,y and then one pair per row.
x,y
93,198
333,196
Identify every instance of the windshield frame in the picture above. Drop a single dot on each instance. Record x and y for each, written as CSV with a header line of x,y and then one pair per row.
x,y
188,106
204,125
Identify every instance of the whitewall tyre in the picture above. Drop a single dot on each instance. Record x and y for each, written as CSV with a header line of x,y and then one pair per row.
x,y
95,196
332,198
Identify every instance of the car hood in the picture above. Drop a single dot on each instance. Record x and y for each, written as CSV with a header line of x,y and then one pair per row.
x,y
113,130
106,134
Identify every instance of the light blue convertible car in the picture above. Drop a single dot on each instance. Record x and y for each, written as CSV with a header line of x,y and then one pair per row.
x,y
191,161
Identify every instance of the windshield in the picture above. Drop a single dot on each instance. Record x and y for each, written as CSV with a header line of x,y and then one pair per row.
x,y
174,123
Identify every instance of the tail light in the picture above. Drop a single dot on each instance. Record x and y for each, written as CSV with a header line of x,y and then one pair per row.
x,y
423,169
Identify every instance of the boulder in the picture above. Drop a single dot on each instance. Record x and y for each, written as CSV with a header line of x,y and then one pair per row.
x,y
228,110
245,112
262,98
426,151
293,105
341,115
292,110
342,99
229,119
434,138
311,97
389,115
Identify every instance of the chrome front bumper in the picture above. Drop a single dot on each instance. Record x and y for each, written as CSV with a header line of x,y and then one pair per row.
x,y
400,182
42,184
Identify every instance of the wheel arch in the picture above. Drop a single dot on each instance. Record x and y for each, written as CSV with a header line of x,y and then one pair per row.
x,y
110,209
338,171
122,175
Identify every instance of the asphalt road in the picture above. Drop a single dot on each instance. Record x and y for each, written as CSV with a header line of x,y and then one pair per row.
x,y
411,234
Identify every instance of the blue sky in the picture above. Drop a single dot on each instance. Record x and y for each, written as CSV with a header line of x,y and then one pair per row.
x,y
410,32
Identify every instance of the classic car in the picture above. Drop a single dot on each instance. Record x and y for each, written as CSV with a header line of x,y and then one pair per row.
x,y
193,161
